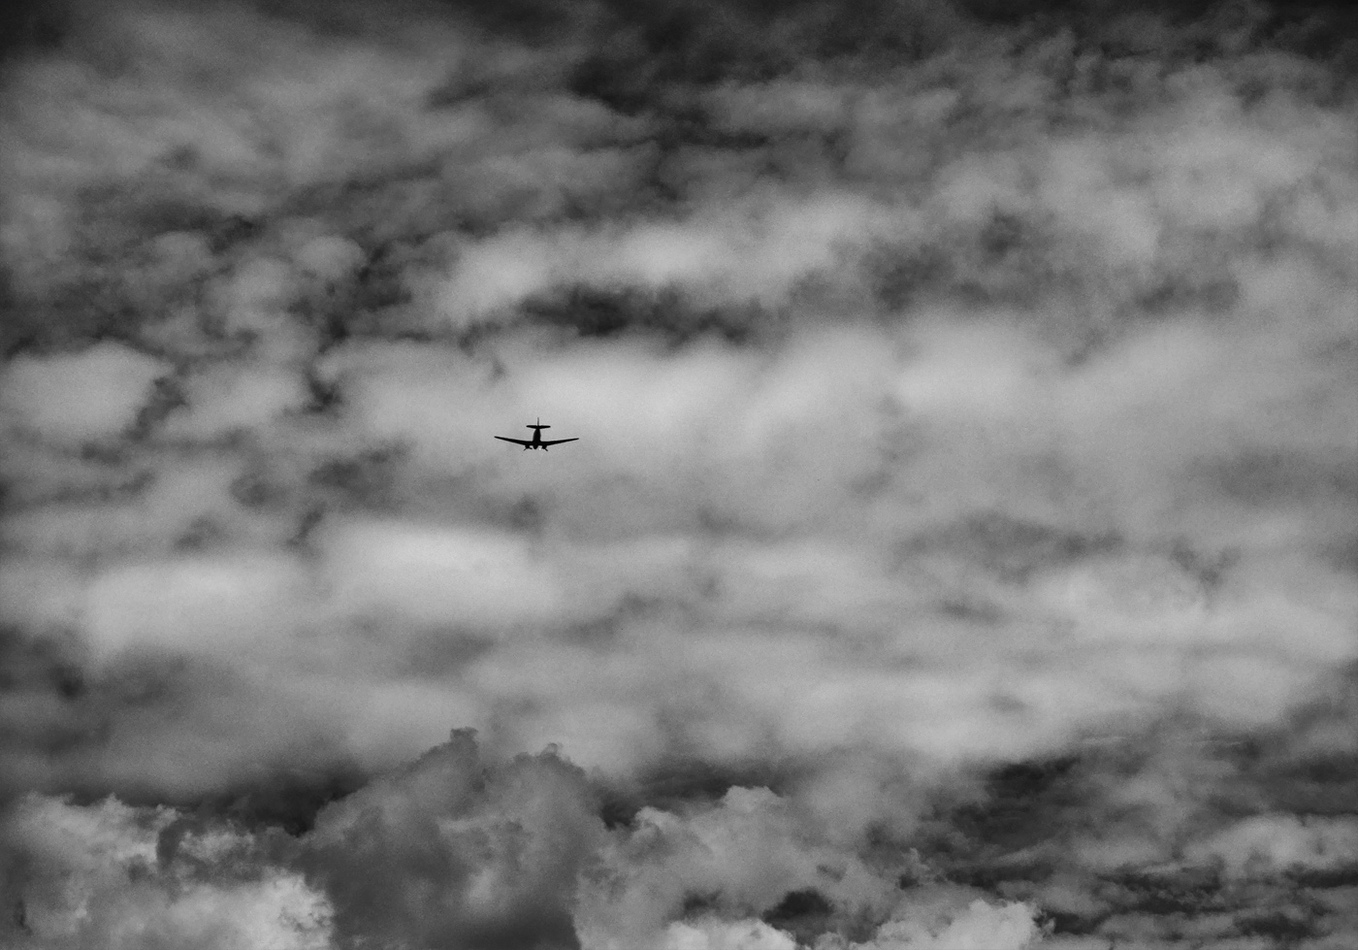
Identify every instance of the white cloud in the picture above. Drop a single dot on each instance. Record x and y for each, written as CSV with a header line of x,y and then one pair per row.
x,y
99,877
231,398
39,593
383,571
329,257
432,398
725,935
754,251
207,604
1009,927
978,372
498,273
72,398
1268,843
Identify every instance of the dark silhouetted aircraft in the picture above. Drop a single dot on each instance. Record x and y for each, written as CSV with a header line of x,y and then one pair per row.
x,y
537,441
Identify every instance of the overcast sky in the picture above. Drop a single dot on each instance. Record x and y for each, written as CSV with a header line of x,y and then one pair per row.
x,y
960,549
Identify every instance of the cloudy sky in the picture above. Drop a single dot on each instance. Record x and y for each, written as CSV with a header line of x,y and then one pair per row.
x,y
961,545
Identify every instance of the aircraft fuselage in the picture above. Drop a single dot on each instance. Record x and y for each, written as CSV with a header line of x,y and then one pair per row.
x,y
537,442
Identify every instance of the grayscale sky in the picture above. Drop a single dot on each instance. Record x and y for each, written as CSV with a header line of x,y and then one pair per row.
x,y
960,549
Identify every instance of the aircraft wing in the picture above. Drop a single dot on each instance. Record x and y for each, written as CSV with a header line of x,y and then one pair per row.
x,y
557,441
505,438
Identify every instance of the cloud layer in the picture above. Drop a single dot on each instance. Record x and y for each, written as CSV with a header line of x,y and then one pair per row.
x,y
959,547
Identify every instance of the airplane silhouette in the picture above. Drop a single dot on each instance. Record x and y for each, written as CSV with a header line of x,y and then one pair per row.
x,y
537,442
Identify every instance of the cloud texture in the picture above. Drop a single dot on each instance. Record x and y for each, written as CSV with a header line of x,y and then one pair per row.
x,y
960,546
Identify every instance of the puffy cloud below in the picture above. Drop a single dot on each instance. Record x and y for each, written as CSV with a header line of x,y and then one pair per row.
x,y
452,852
464,847
979,925
740,857
109,875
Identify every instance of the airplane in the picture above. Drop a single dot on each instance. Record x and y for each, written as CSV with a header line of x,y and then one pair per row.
x,y
537,442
